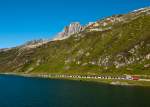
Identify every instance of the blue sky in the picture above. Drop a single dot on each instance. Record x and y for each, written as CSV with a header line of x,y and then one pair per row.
x,y
24,20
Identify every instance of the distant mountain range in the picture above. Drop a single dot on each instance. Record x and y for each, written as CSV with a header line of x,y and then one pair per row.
x,y
116,44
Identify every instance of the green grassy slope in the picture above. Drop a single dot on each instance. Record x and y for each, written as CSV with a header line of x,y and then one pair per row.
x,y
124,48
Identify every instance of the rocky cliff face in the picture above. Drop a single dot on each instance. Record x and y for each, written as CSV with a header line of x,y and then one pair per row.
x,y
73,28
117,44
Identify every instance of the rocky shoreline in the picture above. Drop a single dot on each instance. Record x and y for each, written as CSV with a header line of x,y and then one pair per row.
x,y
115,82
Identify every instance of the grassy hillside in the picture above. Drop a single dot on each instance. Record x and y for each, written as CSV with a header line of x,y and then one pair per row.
x,y
125,48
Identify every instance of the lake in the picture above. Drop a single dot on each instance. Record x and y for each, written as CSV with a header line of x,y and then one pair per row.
x,y
36,92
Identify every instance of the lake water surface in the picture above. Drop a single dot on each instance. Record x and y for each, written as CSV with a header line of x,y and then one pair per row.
x,y
35,92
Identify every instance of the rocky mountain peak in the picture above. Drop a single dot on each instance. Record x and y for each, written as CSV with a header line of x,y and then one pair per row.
x,y
73,28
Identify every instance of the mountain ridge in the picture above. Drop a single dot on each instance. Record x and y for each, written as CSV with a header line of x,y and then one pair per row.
x,y
62,35
116,44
